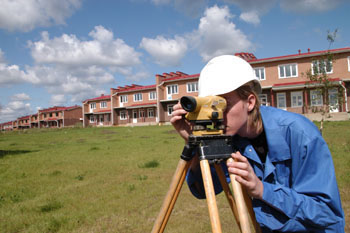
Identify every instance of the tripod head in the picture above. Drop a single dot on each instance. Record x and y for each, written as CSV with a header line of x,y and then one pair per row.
x,y
207,114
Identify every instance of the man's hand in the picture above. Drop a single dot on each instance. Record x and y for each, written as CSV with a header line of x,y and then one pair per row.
x,y
245,175
181,125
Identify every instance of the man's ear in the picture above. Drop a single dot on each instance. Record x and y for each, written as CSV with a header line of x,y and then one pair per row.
x,y
251,102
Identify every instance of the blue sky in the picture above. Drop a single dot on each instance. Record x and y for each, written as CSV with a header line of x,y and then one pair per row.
x,y
61,52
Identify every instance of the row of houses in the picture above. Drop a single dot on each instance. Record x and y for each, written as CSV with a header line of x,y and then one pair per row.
x,y
54,117
283,79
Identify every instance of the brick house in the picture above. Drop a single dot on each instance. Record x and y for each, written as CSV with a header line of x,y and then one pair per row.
x,y
134,104
6,126
97,111
283,79
286,86
170,88
23,122
58,116
34,121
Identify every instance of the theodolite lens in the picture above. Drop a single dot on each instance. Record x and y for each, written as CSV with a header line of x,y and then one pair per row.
x,y
188,103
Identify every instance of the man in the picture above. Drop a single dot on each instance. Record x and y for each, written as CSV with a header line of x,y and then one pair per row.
x,y
282,160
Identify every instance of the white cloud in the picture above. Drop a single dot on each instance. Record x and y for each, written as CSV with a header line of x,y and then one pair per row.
x,y
11,74
2,57
305,6
191,8
75,84
68,50
250,17
20,97
80,68
161,2
25,15
218,35
58,100
252,10
165,52
14,109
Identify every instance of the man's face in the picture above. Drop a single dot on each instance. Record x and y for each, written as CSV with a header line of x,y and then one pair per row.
x,y
235,115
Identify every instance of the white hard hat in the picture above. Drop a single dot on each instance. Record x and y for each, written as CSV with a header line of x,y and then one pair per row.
x,y
224,74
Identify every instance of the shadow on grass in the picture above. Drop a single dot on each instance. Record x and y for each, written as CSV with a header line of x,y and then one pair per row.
x,y
4,153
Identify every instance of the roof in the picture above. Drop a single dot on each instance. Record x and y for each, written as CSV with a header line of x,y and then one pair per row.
x,y
299,55
23,117
59,108
102,97
184,77
134,87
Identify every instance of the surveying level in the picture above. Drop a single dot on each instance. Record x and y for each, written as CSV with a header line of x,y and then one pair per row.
x,y
209,143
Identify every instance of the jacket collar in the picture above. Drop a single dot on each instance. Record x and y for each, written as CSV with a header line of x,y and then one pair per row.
x,y
275,134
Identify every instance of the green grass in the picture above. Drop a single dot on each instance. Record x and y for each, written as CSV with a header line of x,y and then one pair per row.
x,y
112,180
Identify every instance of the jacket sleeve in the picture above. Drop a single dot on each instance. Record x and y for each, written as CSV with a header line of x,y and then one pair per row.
x,y
312,201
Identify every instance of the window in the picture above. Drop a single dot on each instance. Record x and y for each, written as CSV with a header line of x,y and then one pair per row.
x,y
92,119
57,114
44,115
123,99
288,71
170,109
297,99
123,115
192,87
103,104
316,98
50,114
150,113
152,95
172,89
321,67
142,114
93,106
260,73
137,97
263,99
281,101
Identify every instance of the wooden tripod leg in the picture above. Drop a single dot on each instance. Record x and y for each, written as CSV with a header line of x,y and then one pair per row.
x,y
241,206
248,202
171,197
228,192
210,195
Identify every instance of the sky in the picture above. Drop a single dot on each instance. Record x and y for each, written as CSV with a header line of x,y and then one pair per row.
x,y
62,52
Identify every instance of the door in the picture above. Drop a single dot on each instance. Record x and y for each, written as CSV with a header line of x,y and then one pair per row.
x,y
101,120
333,100
134,116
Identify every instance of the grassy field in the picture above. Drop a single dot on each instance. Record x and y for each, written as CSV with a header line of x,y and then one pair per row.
x,y
113,180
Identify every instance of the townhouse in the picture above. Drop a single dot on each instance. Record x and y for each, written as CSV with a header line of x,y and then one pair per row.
x,y
170,88
286,86
23,122
134,104
58,116
6,126
283,79
97,111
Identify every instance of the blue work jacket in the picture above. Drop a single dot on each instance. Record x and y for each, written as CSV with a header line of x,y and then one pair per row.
x,y
300,187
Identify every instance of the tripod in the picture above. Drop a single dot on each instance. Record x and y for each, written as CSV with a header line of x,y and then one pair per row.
x,y
213,149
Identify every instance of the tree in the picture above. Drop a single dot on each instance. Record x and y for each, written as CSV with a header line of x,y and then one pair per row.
x,y
322,85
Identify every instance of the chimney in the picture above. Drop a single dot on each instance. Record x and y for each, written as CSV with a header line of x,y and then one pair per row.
x,y
308,50
299,51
